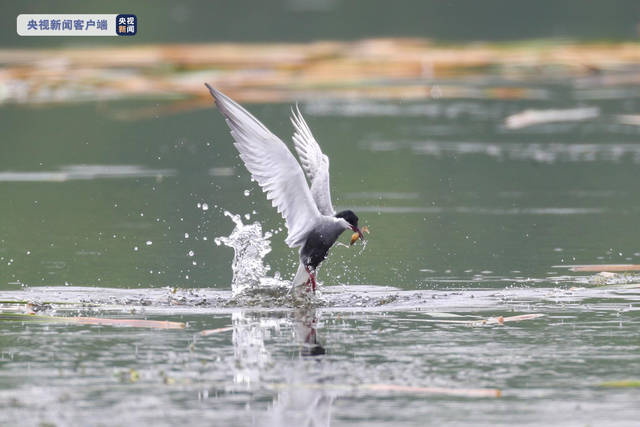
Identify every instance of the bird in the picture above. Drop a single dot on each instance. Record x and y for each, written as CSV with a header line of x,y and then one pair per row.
x,y
311,221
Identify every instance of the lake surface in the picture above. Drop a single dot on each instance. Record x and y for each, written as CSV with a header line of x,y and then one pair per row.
x,y
468,217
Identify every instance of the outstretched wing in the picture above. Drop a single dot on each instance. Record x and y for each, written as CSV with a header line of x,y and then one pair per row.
x,y
273,166
314,163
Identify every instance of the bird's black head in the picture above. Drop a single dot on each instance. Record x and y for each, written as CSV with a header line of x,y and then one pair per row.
x,y
352,220
350,217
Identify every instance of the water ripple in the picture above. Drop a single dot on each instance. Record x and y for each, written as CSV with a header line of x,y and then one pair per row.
x,y
479,210
86,172
539,152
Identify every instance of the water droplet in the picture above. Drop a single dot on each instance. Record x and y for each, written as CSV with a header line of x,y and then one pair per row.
x,y
149,242
191,253
205,207
186,235
199,205
247,192
135,249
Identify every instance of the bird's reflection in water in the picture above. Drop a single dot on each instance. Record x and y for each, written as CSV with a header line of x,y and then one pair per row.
x,y
300,402
305,324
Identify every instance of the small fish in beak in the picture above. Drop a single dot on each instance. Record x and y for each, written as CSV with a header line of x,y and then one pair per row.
x,y
358,234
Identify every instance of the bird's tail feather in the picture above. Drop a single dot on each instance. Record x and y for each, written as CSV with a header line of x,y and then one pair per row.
x,y
301,277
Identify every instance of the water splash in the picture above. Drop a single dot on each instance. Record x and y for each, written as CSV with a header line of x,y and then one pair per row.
x,y
250,246
250,286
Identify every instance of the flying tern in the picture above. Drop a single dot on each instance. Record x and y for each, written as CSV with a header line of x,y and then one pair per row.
x,y
313,224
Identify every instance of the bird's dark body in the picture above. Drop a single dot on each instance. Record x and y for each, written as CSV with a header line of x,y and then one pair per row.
x,y
317,246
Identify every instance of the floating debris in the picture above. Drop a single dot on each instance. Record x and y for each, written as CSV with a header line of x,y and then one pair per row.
x,y
628,119
466,392
500,320
621,384
601,267
137,323
216,331
129,376
536,117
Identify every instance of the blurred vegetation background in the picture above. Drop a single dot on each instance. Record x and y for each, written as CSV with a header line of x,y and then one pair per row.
x,y
303,49
309,20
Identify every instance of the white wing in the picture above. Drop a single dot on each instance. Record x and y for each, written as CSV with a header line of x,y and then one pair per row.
x,y
314,163
273,166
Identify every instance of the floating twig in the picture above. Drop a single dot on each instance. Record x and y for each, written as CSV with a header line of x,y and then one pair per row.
x,y
621,384
217,331
465,392
138,323
500,320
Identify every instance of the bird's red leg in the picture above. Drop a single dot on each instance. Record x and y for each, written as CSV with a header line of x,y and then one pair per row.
x,y
308,280
312,279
